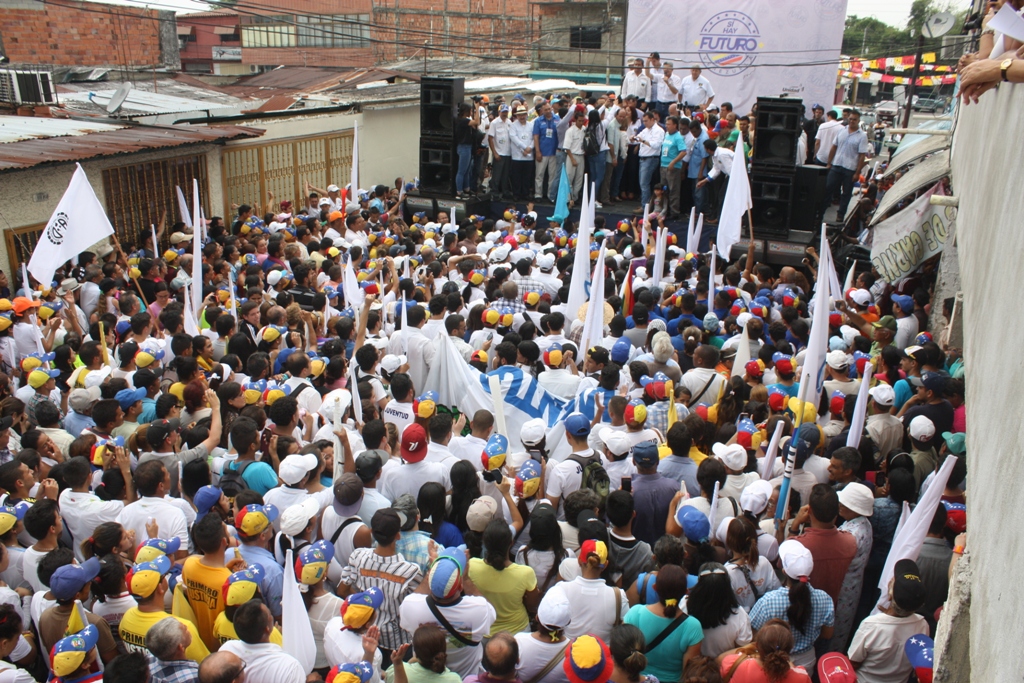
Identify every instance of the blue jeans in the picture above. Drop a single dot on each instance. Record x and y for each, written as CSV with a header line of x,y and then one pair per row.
x,y
615,185
647,167
662,109
595,166
556,177
699,196
462,180
839,180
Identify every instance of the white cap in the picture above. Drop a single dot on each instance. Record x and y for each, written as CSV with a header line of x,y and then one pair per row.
x,y
324,201
743,318
861,297
293,468
883,394
554,610
755,497
546,261
339,400
520,255
274,276
858,498
837,360
922,428
615,440
333,188
390,363
849,334
733,456
532,431
796,559
723,530
484,247
295,517
493,236
500,254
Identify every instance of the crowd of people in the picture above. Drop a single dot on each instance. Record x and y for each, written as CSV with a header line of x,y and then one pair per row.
x,y
158,469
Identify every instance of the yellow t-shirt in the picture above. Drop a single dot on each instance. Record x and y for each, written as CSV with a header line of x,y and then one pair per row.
x,y
696,455
224,630
504,590
204,586
135,625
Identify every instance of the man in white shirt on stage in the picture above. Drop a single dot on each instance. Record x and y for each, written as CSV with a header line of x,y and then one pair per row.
x,y
697,92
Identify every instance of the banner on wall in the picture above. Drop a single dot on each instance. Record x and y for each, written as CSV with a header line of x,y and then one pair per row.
x,y
909,238
747,48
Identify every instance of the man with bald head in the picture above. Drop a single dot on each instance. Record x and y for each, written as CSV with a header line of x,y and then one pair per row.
x,y
500,659
222,667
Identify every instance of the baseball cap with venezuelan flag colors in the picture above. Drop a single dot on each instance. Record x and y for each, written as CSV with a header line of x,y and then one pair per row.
x,y
311,565
253,520
70,653
144,577
359,608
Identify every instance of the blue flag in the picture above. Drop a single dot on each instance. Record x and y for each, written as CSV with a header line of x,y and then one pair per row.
x,y
562,201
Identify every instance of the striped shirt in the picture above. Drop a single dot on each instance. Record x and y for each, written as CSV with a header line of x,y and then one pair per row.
x,y
775,605
395,577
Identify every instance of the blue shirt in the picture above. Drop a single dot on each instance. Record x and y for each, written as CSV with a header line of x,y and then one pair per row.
x,y
259,476
652,494
697,155
671,148
273,574
547,134
775,605
792,392
148,413
75,424
683,470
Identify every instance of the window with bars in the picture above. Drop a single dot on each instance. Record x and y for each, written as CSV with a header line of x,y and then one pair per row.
x,y
585,37
334,30
137,194
268,35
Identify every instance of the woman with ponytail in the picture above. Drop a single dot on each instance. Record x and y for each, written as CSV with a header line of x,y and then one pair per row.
x,y
809,611
672,636
766,660
712,602
110,591
627,645
510,588
431,503
110,538
752,575
429,662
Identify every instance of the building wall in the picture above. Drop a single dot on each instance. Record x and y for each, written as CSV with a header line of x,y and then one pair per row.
x,y
989,243
201,49
299,10
555,24
87,34
29,197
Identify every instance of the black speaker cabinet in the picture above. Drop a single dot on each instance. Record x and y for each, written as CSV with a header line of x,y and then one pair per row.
x,y
437,165
808,193
439,101
772,195
777,131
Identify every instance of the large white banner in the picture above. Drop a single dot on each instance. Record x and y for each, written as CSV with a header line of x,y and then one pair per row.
x,y
912,236
747,48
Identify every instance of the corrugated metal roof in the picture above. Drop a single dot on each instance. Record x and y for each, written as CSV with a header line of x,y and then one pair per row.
x,y
921,176
120,140
19,128
145,101
211,13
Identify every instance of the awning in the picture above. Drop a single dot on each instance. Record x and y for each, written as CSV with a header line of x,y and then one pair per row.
x,y
225,30
919,150
185,30
925,174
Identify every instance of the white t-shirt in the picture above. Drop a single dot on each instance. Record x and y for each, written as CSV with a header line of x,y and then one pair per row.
x,y
169,518
408,477
762,576
266,662
472,617
617,471
733,633
343,646
563,479
542,562
559,382
825,136
878,646
735,483
593,603
321,613
534,656
469,448
30,568
345,544
399,414
114,608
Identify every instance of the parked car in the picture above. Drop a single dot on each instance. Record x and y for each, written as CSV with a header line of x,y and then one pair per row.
x,y
933,105
886,111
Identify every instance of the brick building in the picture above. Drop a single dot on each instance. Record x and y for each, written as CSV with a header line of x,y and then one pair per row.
x,y
211,43
86,34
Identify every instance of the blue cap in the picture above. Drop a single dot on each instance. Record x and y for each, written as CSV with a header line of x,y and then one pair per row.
x,y
905,302
621,350
126,398
577,424
696,526
646,455
836,343
204,500
69,580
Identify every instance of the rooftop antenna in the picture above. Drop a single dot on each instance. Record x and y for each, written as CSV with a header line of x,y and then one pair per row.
x,y
118,98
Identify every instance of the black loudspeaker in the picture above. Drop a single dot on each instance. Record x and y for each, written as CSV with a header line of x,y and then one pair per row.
x,y
777,131
808,193
772,195
437,165
439,101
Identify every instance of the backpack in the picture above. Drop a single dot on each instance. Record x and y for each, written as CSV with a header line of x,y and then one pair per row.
x,y
591,147
594,475
231,482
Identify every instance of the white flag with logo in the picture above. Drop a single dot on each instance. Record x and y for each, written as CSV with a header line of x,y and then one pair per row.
x,y
78,222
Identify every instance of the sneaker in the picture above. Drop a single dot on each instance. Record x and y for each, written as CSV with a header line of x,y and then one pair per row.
x,y
598,205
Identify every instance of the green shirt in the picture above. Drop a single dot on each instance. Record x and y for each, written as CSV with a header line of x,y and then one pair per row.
x,y
665,662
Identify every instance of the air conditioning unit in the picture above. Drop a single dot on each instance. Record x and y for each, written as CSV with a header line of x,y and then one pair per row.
x,y
27,87
254,68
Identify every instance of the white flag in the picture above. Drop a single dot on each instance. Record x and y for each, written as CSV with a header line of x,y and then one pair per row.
x,y
739,362
191,326
644,232
354,192
297,633
578,288
768,465
812,372
692,237
156,244
354,294
357,404
593,325
186,216
860,411
660,247
736,203
77,223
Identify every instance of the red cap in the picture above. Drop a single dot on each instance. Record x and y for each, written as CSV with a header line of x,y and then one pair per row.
x,y
414,443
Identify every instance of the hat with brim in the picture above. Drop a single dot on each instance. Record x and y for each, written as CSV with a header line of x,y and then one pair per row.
x,y
69,653
67,285
348,494
955,443
607,312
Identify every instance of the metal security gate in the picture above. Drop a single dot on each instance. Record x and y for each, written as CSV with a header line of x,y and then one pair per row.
x,y
251,172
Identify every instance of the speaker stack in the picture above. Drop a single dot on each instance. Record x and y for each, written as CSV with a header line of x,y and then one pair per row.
x,y
773,167
439,101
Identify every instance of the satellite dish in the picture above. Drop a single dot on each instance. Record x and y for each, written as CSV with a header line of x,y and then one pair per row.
x,y
938,25
118,98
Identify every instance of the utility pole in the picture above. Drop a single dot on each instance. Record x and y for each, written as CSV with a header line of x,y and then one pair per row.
x,y
864,42
913,80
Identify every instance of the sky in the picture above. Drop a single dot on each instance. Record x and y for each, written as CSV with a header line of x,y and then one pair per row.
x,y
892,12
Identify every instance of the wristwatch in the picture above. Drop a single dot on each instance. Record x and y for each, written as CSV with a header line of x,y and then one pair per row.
x,y
1003,66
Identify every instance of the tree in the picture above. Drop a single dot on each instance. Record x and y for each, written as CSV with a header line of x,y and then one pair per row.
x,y
869,37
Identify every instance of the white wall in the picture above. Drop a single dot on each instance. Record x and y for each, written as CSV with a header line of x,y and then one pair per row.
x,y
990,236
389,144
